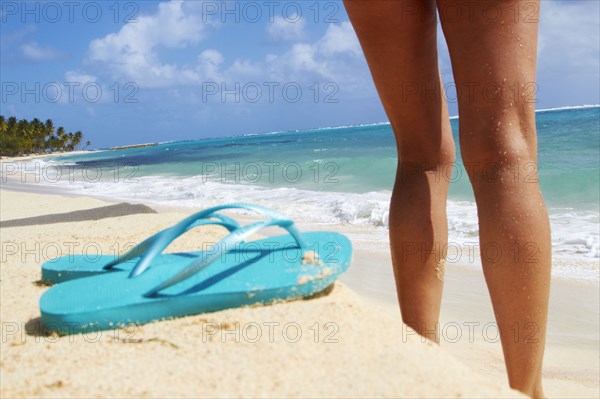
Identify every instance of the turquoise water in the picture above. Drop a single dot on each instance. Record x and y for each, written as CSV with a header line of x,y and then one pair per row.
x,y
345,175
360,159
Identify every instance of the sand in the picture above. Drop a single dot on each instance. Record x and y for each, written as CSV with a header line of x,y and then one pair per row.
x,y
571,365
349,343
335,345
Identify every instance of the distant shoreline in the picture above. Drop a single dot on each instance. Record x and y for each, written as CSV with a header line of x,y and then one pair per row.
x,y
141,145
27,157
127,147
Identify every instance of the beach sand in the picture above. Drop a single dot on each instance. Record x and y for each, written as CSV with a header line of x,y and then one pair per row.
x,y
349,343
467,325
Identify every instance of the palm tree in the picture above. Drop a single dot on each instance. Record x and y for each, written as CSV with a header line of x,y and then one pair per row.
x,y
25,135
70,145
49,125
60,133
48,130
52,143
3,125
22,136
77,139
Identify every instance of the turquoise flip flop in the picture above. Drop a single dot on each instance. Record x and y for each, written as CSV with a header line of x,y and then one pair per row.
x,y
73,266
232,273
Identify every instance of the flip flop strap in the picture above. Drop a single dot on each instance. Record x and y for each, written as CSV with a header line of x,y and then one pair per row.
x,y
226,245
143,247
170,234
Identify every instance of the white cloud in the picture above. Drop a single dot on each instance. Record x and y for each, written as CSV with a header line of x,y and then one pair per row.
x,y
568,39
286,29
336,56
209,63
303,58
340,39
136,53
132,53
79,77
247,68
33,52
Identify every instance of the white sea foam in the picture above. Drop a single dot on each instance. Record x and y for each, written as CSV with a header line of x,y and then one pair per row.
x,y
575,234
584,106
318,129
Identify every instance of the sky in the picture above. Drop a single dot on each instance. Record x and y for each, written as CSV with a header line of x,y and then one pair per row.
x,y
126,72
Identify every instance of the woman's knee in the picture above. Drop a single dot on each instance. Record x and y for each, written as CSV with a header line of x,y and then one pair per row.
x,y
497,136
499,151
428,155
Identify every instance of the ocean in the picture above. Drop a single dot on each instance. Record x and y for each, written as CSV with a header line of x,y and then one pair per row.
x,y
342,175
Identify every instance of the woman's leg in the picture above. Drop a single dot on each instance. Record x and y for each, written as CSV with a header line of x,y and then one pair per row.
x,y
493,51
399,42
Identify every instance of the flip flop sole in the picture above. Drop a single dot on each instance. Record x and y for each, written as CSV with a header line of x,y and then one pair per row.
x,y
260,271
71,267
